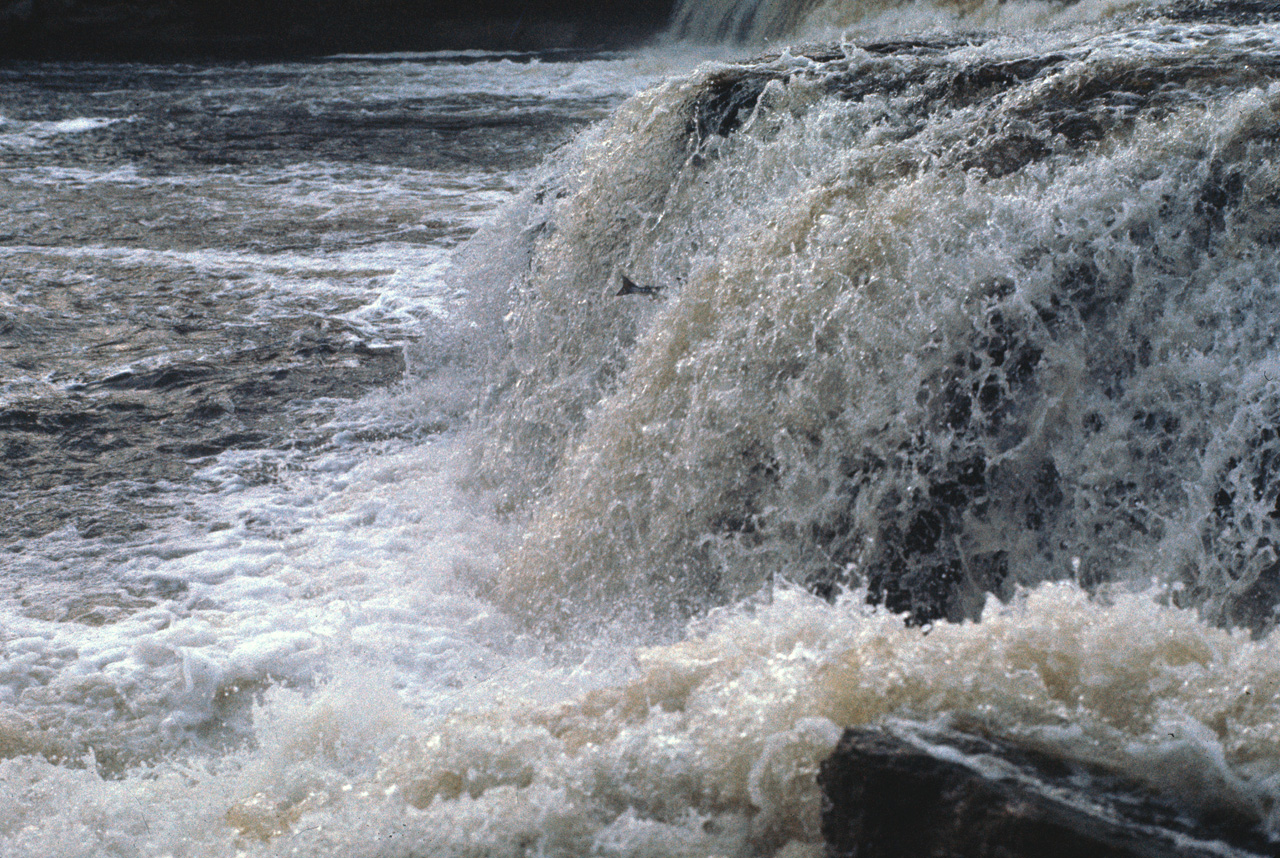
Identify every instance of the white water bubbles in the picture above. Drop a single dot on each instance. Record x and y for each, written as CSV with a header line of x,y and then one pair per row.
x,y
924,321
346,559
760,22
18,135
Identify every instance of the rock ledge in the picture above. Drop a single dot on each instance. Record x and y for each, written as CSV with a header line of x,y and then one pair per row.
x,y
909,791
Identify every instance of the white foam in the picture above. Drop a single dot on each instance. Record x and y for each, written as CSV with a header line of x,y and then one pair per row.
x,y
372,79
710,746
18,134
759,22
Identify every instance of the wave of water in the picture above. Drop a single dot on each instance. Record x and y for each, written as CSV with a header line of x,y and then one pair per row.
x,y
916,331
953,399
783,21
25,135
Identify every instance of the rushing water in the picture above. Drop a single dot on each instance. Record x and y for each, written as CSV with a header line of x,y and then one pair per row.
x,y
348,509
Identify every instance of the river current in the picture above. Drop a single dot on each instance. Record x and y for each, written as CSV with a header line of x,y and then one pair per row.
x,y
348,509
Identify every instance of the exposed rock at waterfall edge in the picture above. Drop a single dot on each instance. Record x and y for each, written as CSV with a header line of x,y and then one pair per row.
x,y
907,791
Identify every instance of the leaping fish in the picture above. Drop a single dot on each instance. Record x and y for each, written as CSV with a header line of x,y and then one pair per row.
x,y
629,287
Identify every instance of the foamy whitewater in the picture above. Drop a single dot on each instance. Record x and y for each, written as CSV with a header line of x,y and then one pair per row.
x,y
352,512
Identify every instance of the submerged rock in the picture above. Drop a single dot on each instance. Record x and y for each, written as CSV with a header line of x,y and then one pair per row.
x,y
905,790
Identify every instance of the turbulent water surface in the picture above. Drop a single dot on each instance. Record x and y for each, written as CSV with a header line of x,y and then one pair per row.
x,y
349,510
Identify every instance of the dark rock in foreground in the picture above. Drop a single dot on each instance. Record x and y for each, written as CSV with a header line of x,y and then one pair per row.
x,y
904,790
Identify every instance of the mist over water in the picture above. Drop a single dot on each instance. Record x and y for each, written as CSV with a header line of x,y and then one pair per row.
x,y
350,510
778,22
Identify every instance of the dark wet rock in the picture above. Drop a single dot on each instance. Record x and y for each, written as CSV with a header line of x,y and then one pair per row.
x,y
251,28
726,102
906,791
1006,154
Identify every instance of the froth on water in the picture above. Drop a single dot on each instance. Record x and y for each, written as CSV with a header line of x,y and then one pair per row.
x,y
710,747
755,22
937,321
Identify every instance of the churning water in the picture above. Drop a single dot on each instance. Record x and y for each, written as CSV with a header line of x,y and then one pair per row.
x,y
350,511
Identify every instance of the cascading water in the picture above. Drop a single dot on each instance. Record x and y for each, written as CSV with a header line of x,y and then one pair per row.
x,y
938,320
786,21
950,394
731,21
